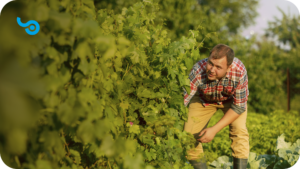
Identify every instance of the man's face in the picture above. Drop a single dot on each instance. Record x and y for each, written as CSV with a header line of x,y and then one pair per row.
x,y
217,68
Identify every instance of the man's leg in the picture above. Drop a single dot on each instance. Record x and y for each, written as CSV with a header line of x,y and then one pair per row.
x,y
198,118
239,136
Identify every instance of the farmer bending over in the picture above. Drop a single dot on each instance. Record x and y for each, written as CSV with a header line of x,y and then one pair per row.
x,y
218,82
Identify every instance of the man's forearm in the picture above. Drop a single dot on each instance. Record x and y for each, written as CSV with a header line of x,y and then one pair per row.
x,y
228,118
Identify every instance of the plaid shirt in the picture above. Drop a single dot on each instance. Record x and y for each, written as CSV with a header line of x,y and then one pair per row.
x,y
233,85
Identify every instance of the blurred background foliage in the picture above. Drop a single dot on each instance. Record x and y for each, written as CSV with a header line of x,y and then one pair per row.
x,y
287,31
48,82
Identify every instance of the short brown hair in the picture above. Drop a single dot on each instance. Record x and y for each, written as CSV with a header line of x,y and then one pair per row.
x,y
221,50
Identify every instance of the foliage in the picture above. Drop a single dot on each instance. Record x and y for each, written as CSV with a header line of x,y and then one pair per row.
x,y
105,88
286,156
286,31
215,19
211,18
263,132
101,88
241,13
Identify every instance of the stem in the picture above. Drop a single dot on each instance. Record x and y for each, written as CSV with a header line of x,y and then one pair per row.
x,y
67,85
109,164
17,161
65,145
94,163
90,83
127,71
125,117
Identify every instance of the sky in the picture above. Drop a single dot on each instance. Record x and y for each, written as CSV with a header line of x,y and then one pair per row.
x,y
267,10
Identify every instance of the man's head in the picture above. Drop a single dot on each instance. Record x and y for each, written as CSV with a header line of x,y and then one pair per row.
x,y
219,62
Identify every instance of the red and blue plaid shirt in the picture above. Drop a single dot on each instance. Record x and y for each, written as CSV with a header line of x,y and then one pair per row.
x,y
233,86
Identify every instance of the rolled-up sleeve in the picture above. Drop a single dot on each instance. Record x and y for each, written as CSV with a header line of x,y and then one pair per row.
x,y
240,95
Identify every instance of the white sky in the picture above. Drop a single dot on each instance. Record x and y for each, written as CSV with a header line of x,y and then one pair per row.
x,y
267,10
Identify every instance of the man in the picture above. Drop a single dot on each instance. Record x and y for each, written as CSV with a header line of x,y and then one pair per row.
x,y
218,82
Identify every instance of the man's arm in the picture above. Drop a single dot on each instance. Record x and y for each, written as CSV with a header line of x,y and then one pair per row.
x,y
228,118
239,103
238,107
210,132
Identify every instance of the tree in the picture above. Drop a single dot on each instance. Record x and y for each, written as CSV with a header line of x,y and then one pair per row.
x,y
216,20
241,13
286,30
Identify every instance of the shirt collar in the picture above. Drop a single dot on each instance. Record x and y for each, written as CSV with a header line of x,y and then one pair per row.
x,y
227,74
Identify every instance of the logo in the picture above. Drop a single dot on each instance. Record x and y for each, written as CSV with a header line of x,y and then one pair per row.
x,y
34,26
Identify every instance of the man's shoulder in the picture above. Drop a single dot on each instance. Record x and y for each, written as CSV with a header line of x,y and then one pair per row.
x,y
200,66
238,65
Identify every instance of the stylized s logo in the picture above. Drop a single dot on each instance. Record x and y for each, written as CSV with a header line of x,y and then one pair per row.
x,y
33,24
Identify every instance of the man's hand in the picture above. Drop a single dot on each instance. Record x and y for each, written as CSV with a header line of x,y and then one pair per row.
x,y
209,134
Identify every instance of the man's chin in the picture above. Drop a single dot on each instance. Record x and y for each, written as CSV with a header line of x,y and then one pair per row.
x,y
211,78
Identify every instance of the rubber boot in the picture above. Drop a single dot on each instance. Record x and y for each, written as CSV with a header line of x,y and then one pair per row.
x,y
199,164
239,163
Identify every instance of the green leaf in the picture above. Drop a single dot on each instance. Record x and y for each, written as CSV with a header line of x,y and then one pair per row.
x,y
151,155
86,131
62,21
41,12
16,141
188,63
158,48
86,67
157,140
134,129
97,111
110,113
86,95
144,92
135,57
108,85
146,139
76,155
124,105
107,146
43,164
83,50
134,162
86,29
281,144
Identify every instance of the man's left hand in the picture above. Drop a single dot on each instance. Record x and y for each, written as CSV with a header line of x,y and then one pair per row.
x,y
209,134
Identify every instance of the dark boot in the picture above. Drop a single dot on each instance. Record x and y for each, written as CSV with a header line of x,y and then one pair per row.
x,y
199,164
239,163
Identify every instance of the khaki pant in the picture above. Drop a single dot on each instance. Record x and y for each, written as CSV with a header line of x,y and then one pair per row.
x,y
198,119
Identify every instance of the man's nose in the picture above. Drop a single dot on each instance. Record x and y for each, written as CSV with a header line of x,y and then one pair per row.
x,y
212,69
